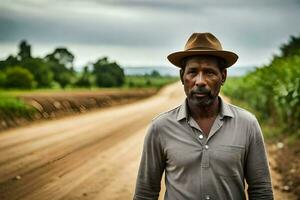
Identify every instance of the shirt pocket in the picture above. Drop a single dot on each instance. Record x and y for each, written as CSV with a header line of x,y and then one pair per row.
x,y
227,160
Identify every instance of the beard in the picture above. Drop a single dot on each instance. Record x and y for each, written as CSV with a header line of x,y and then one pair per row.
x,y
202,97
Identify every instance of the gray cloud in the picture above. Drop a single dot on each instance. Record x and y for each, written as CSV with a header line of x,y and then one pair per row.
x,y
253,28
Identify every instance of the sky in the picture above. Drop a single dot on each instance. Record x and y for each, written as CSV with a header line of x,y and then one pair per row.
x,y
144,32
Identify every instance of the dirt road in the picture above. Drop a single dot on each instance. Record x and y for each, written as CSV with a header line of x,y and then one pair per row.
x,y
90,156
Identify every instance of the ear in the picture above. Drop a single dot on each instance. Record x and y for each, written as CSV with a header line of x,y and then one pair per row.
x,y
181,72
224,75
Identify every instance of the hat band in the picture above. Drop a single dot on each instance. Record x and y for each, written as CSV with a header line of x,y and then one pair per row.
x,y
203,48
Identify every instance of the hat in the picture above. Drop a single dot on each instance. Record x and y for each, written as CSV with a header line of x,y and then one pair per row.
x,y
202,44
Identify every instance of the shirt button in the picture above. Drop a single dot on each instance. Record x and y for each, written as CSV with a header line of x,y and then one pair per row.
x,y
201,137
206,146
207,197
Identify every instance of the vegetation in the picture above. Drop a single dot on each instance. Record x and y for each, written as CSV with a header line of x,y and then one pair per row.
x,y
108,74
22,72
56,70
154,80
18,77
11,107
273,90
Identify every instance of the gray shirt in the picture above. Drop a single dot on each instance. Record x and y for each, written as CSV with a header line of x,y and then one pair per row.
x,y
204,168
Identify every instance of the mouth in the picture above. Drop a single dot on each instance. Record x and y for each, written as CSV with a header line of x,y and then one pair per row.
x,y
197,94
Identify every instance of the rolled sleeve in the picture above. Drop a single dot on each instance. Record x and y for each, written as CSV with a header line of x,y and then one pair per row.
x,y
151,167
257,170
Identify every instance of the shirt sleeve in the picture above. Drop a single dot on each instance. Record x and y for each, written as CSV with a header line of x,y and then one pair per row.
x,y
151,167
257,170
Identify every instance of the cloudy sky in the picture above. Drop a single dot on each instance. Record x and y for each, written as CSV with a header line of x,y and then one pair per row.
x,y
144,32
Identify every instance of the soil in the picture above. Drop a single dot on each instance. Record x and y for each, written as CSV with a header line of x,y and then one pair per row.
x,y
287,163
51,105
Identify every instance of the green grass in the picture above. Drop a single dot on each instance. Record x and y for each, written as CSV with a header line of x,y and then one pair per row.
x,y
131,82
12,106
148,81
16,92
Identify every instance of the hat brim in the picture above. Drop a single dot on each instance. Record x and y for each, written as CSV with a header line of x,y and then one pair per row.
x,y
176,57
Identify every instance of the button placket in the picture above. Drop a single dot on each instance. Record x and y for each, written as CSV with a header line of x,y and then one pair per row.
x,y
198,133
205,157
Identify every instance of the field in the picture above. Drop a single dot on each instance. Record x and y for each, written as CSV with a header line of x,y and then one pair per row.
x,y
19,107
22,107
148,81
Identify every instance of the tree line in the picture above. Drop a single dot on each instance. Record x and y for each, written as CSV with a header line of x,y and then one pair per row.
x,y
56,69
273,89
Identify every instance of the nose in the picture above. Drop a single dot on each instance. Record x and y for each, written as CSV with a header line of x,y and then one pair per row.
x,y
200,80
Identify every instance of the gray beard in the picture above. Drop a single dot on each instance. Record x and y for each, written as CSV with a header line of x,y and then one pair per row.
x,y
204,102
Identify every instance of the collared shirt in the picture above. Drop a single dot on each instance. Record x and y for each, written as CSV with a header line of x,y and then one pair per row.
x,y
204,168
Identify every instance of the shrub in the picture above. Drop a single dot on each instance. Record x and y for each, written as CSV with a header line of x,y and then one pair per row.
x,y
13,107
273,91
2,79
108,74
18,77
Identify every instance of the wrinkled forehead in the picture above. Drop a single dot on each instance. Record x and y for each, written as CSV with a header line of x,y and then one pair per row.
x,y
202,59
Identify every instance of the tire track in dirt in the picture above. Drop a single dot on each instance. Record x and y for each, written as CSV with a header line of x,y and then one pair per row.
x,y
51,164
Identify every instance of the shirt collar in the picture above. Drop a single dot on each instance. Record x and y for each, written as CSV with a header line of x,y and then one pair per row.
x,y
224,111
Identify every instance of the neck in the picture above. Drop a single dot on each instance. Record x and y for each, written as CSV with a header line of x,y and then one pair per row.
x,y
202,112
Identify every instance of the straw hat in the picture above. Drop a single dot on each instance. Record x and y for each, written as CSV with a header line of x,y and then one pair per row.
x,y
202,44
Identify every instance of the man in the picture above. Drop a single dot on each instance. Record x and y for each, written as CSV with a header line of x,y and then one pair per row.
x,y
206,147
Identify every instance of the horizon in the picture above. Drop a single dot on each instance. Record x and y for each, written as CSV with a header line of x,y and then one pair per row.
x,y
80,67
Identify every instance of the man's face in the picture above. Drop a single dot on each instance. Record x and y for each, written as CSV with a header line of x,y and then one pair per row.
x,y
202,80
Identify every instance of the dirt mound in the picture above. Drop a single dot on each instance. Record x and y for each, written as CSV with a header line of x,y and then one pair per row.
x,y
53,105
287,157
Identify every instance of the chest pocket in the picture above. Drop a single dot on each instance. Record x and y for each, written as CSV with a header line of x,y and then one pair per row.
x,y
227,160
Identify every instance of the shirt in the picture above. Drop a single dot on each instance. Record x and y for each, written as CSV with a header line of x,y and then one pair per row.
x,y
204,168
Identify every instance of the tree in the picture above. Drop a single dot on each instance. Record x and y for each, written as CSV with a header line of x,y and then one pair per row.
x,y
24,50
2,79
61,56
85,79
155,73
61,64
18,77
40,70
10,61
291,48
108,74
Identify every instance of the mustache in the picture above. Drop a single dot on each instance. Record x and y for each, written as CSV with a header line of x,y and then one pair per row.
x,y
201,90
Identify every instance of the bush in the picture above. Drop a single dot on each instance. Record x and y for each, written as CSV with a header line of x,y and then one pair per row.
x,y
2,79
273,91
108,74
146,81
18,77
40,70
85,79
13,107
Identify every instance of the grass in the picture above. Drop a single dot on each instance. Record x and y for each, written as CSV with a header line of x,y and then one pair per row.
x,y
148,81
131,82
11,106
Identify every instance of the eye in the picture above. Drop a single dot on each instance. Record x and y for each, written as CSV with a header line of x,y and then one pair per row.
x,y
192,71
210,72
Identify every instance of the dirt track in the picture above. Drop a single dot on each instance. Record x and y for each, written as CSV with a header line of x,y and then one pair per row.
x,y
90,156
